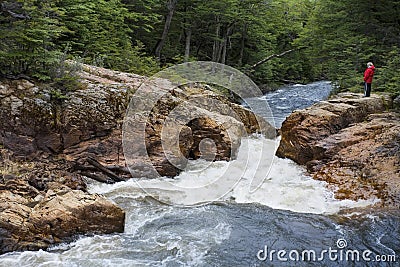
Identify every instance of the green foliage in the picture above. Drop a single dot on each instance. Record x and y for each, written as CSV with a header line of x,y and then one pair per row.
x,y
96,30
57,96
67,83
388,76
343,35
136,61
34,36
339,37
27,33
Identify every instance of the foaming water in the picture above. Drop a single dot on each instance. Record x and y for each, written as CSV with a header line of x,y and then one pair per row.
x,y
255,201
282,184
165,236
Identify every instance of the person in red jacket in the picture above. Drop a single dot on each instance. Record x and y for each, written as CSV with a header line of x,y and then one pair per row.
x,y
368,75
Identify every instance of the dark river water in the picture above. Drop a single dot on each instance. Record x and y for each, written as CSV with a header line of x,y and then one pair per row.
x,y
290,220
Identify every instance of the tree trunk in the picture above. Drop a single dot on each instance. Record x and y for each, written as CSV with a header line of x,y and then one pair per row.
x,y
223,56
225,42
216,46
187,43
219,51
171,6
242,44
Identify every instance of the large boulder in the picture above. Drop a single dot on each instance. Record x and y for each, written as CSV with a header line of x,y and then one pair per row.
x,y
31,219
190,122
42,204
304,128
350,142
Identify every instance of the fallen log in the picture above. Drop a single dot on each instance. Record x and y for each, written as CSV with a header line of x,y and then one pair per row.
x,y
104,170
117,168
252,67
97,177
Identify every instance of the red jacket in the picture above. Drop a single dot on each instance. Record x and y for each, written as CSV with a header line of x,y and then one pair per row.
x,y
369,74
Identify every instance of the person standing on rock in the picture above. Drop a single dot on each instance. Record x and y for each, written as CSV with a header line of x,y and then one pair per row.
x,y
368,75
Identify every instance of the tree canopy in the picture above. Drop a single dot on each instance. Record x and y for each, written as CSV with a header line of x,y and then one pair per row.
x,y
287,40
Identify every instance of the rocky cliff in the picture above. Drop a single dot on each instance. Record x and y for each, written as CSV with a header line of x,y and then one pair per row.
x,y
51,140
34,218
351,142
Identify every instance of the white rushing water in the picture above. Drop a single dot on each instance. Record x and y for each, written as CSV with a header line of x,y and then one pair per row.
x,y
154,233
256,176
237,223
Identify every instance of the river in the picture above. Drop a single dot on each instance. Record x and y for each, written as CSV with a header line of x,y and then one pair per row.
x,y
290,220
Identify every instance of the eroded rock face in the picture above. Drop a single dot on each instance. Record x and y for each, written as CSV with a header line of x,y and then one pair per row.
x,y
343,142
186,123
41,204
304,128
363,160
48,139
33,219
42,122
42,200
87,123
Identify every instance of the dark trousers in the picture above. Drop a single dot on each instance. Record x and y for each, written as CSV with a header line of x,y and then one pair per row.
x,y
367,89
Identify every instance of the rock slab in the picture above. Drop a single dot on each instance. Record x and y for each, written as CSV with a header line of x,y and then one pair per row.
x,y
35,214
351,142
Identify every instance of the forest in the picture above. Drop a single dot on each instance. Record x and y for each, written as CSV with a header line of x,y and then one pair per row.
x,y
272,41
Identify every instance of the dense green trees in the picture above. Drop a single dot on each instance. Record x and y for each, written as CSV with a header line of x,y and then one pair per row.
x,y
35,36
344,35
330,39
234,32
27,35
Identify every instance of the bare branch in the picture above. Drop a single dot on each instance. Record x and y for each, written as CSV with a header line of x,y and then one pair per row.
x,y
274,56
10,9
104,170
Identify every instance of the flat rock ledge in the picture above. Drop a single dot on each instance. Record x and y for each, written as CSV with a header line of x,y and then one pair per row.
x,y
37,213
351,142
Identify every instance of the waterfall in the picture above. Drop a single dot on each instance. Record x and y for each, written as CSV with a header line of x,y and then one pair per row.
x,y
224,213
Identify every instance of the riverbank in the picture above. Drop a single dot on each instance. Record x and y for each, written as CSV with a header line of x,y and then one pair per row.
x,y
290,210
52,140
351,142
51,144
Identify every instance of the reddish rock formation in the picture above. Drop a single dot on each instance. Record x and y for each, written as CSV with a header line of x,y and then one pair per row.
x,y
87,121
178,124
44,122
52,139
363,160
343,143
43,136
303,128
32,220
42,204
